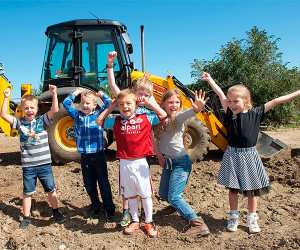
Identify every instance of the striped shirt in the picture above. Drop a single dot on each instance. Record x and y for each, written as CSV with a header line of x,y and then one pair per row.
x,y
88,134
34,150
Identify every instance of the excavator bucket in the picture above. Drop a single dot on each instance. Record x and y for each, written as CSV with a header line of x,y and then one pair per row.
x,y
267,146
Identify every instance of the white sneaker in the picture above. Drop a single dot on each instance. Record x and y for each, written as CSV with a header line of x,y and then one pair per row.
x,y
252,223
233,220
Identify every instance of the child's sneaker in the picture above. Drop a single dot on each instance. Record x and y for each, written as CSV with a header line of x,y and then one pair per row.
x,y
126,218
252,223
59,217
25,222
93,212
150,229
233,221
132,228
110,216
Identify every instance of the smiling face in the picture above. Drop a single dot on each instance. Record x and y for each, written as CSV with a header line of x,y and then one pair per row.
x,y
29,108
127,104
87,104
239,99
235,103
171,102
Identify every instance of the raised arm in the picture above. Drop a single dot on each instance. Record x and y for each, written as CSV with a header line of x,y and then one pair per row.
x,y
153,105
69,100
200,101
54,107
280,100
110,73
223,99
105,113
4,109
105,99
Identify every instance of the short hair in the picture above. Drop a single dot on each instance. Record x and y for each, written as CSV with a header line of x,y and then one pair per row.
x,y
126,92
89,93
143,84
29,97
243,91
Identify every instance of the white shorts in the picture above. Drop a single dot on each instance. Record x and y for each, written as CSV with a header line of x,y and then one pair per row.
x,y
135,178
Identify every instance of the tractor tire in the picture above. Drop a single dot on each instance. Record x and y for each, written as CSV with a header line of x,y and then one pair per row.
x,y
196,139
61,138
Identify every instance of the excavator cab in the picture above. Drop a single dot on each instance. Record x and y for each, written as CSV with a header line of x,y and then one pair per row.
x,y
76,54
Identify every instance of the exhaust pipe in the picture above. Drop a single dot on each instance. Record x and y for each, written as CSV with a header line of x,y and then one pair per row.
x,y
142,48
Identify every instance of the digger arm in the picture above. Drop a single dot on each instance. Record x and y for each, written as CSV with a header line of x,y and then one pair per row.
x,y
216,129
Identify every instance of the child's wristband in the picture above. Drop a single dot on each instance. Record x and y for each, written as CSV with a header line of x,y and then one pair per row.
x,y
109,65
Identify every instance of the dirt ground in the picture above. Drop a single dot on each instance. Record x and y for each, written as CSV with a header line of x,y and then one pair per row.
x,y
279,211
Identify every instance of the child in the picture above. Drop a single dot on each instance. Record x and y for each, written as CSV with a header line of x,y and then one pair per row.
x,y
89,141
242,169
143,88
133,134
35,152
176,162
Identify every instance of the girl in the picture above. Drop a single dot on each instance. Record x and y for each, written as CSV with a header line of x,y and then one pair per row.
x,y
241,168
176,162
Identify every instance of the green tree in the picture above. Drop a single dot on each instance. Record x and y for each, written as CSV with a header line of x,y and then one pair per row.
x,y
257,63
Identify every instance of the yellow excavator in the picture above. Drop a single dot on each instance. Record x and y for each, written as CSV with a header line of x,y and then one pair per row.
x,y
76,55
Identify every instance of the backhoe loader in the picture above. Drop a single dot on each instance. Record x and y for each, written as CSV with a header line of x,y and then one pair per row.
x,y
76,55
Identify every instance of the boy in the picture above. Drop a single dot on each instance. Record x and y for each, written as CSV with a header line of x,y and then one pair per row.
x,y
133,134
89,141
143,89
35,152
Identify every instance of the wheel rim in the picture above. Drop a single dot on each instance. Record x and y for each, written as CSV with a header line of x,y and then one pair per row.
x,y
64,134
188,136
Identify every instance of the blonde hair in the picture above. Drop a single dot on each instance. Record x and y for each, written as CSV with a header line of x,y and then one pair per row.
x,y
242,91
89,93
144,84
30,97
126,92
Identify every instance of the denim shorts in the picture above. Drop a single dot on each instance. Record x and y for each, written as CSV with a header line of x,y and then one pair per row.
x,y
43,173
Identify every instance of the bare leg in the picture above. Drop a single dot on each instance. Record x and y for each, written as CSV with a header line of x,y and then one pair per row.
x,y
26,205
252,204
125,203
233,200
52,198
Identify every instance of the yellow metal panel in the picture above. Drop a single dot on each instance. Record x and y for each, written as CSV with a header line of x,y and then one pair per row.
x,y
4,84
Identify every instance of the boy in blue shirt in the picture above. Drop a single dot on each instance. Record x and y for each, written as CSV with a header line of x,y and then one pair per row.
x,y
89,141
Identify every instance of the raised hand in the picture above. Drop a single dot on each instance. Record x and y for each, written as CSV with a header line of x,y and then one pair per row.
x,y
78,91
146,76
7,92
200,101
141,101
206,77
100,93
53,89
111,56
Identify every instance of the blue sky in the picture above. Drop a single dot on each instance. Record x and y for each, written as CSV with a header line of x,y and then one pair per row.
x,y
176,31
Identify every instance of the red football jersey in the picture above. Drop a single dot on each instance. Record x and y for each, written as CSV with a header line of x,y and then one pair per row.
x,y
133,137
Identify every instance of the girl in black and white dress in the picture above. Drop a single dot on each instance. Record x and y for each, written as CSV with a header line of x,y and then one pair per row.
x,y
242,169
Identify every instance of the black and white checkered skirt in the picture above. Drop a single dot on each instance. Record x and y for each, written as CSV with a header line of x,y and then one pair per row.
x,y
242,170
